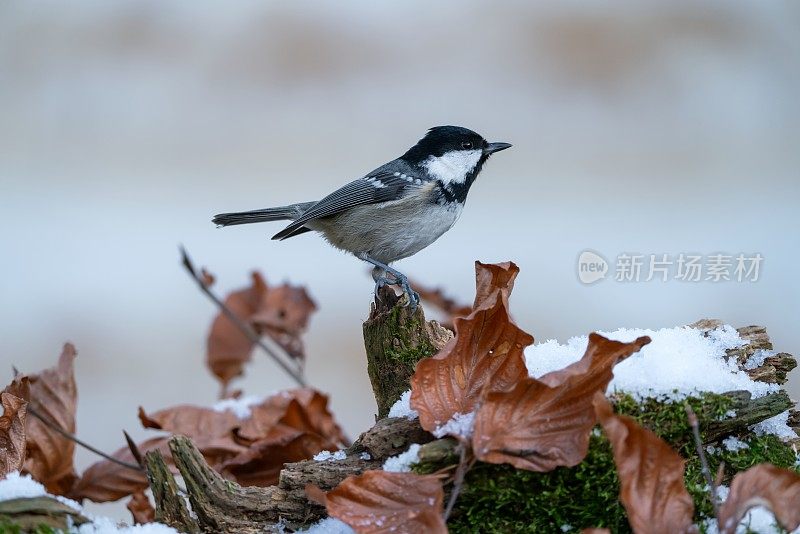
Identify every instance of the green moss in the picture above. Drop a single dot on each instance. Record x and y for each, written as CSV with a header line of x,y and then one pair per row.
x,y
499,498
7,526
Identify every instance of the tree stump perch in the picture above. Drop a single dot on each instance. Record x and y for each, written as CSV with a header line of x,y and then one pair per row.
x,y
395,339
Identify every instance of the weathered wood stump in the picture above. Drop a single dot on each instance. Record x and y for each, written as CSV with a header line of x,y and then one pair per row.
x,y
395,339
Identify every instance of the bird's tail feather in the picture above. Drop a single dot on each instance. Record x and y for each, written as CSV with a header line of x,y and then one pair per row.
x,y
282,213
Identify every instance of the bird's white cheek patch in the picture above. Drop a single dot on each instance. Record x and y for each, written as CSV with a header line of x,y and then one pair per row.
x,y
453,166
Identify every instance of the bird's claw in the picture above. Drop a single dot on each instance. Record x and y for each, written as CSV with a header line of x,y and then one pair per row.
x,y
402,281
413,296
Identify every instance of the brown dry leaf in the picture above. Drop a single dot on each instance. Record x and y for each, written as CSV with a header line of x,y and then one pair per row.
x,y
486,353
140,508
280,312
380,501
262,462
12,432
193,421
762,485
595,530
283,315
211,431
228,348
274,412
54,395
650,474
543,424
106,481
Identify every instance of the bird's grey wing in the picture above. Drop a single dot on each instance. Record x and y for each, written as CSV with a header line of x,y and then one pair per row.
x,y
379,186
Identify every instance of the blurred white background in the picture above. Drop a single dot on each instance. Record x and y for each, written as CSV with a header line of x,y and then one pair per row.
x,y
661,127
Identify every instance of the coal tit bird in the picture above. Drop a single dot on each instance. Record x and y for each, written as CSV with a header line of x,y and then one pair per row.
x,y
394,211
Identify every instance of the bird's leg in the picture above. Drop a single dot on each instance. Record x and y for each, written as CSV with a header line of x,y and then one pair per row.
x,y
379,275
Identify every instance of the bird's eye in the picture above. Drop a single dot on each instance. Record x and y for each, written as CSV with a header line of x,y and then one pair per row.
x,y
466,145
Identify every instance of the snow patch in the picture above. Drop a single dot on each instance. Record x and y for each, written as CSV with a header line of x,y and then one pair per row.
x,y
757,358
16,486
402,462
775,425
734,444
330,456
402,408
241,406
329,525
459,425
679,362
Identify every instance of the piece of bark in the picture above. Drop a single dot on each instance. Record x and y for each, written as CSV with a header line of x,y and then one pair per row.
x,y
395,339
391,436
170,506
749,411
28,513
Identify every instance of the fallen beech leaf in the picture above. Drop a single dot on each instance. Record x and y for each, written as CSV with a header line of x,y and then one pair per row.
x,y
262,462
280,312
20,387
140,508
283,315
486,354
105,481
490,277
595,530
543,424
274,412
54,395
12,433
211,431
762,485
380,501
193,421
228,348
650,474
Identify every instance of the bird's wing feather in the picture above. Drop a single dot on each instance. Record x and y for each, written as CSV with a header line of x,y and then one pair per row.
x,y
379,186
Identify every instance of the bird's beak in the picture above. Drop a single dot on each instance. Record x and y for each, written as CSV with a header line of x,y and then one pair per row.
x,y
491,148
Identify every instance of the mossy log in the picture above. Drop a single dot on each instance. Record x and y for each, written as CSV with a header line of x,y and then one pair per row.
x,y
29,513
396,338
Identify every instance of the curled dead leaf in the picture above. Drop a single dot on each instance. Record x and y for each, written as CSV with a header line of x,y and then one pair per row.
x,y
12,432
543,424
280,312
283,315
261,463
140,508
762,485
193,421
302,409
106,481
486,354
228,348
54,395
380,501
650,474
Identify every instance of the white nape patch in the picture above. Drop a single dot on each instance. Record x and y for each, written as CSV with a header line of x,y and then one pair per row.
x,y
453,166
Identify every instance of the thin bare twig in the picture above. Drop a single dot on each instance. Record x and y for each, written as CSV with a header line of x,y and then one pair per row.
x,y
56,428
242,325
464,465
137,454
698,442
52,425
